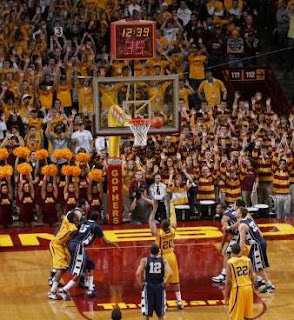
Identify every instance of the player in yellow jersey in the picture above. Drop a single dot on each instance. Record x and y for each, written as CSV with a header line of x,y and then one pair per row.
x,y
59,248
165,240
239,286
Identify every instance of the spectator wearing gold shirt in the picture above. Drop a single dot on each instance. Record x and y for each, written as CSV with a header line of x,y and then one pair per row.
x,y
212,90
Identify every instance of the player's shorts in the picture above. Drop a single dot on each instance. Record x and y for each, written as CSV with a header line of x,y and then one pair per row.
x,y
241,303
234,240
60,255
78,258
153,300
172,261
258,256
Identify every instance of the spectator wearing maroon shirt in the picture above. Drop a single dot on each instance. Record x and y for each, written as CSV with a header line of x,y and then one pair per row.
x,y
248,26
249,185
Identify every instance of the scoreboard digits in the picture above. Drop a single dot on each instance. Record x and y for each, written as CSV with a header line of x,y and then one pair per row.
x,y
250,75
132,39
245,74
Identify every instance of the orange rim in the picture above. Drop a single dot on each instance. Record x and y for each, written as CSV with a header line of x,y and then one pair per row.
x,y
140,121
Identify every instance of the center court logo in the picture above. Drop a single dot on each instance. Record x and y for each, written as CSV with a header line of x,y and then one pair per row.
x,y
21,241
170,304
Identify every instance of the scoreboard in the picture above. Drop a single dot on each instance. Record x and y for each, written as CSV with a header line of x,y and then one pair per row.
x,y
245,74
132,39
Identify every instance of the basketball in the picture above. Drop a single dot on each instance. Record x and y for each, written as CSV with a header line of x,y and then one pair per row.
x,y
157,122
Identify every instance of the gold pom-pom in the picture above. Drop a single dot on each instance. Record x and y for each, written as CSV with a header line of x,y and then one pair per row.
x,y
57,154
76,171
6,171
62,154
67,154
21,152
3,154
50,170
24,168
66,170
42,154
71,171
95,175
83,157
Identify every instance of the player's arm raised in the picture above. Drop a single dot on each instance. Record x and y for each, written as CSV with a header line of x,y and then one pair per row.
x,y
168,271
224,223
228,283
242,231
140,271
152,223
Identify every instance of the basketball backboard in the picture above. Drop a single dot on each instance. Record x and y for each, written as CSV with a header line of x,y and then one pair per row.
x,y
119,99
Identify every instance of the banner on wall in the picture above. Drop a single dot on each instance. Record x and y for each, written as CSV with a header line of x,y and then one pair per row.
x,y
114,191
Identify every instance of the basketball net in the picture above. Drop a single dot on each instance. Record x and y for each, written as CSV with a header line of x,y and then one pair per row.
x,y
140,128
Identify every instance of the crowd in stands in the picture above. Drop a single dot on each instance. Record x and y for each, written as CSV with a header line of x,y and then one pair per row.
x,y
49,53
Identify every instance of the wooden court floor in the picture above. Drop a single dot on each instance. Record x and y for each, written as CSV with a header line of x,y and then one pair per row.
x,y
23,282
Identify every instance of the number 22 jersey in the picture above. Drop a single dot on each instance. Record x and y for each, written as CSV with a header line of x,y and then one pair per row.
x,y
240,267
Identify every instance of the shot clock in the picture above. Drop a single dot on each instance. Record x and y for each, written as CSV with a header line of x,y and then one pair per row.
x,y
132,39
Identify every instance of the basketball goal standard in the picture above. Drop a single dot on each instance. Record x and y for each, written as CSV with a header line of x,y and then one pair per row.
x,y
132,106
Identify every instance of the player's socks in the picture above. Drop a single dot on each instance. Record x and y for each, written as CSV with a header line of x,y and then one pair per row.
x,y
51,277
54,286
91,283
179,300
224,272
69,285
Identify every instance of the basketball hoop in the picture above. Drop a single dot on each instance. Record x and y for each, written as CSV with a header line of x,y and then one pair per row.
x,y
140,128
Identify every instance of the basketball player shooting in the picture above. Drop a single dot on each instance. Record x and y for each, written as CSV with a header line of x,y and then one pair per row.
x,y
165,239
